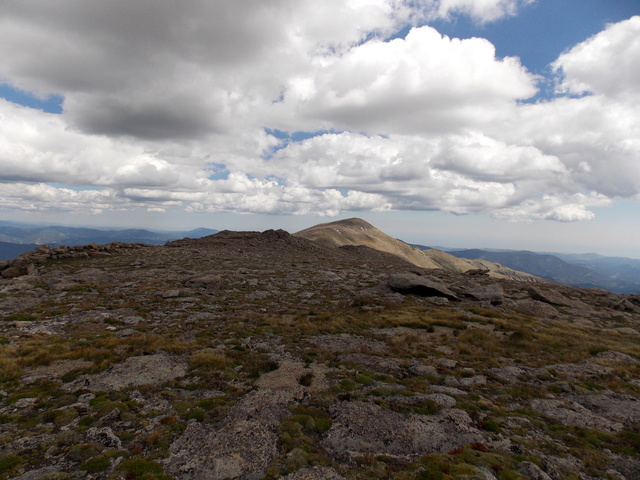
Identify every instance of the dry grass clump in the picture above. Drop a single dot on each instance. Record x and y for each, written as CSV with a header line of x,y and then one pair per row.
x,y
479,343
9,367
208,359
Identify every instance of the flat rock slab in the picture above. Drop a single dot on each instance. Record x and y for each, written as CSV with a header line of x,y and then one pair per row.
x,y
615,407
134,372
611,356
391,366
241,447
55,370
61,367
343,342
367,429
581,370
570,413
290,375
46,327
551,297
516,374
314,473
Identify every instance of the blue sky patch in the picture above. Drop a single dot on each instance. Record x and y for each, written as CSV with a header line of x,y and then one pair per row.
x,y
50,104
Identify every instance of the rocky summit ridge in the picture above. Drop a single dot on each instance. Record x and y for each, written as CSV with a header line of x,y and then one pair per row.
x,y
248,355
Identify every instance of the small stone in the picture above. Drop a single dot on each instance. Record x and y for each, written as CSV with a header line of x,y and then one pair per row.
x,y
171,293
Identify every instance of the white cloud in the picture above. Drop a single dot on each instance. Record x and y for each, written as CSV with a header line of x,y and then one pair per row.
x,y
461,174
40,147
425,82
569,208
42,197
597,136
606,64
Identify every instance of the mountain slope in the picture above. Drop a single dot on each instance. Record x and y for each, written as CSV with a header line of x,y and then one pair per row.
x,y
355,231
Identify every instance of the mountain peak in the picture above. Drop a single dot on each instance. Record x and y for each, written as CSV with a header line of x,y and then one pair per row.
x,y
355,231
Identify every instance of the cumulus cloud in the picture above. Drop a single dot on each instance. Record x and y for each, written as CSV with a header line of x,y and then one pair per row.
x,y
169,105
606,64
597,136
568,208
425,82
461,174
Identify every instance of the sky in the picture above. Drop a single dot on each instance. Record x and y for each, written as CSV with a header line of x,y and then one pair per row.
x,y
461,123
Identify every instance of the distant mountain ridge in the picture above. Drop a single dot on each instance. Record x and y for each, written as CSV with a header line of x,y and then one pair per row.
x,y
619,275
12,250
355,231
16,239
616,274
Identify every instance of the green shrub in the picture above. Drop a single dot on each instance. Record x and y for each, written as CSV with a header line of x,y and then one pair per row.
x,y
83,452
142,469
306,380
490,426
96,464
9,463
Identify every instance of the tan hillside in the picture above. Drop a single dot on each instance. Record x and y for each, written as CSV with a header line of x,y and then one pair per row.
x,y
355,231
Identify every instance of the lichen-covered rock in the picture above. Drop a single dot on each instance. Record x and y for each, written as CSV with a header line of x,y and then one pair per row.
x,y
241,447
473,381
366,429
344,342
532,471
239,450
611,356
103,436
390,366
492,293
314,473
536,308
615,407
569,412
293,374
581,370
134,371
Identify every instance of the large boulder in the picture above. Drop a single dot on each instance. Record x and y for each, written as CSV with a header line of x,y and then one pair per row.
x,y
555,298
414,284
536,309
492,293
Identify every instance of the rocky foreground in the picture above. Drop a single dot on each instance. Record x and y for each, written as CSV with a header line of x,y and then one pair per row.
x,y
250,355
